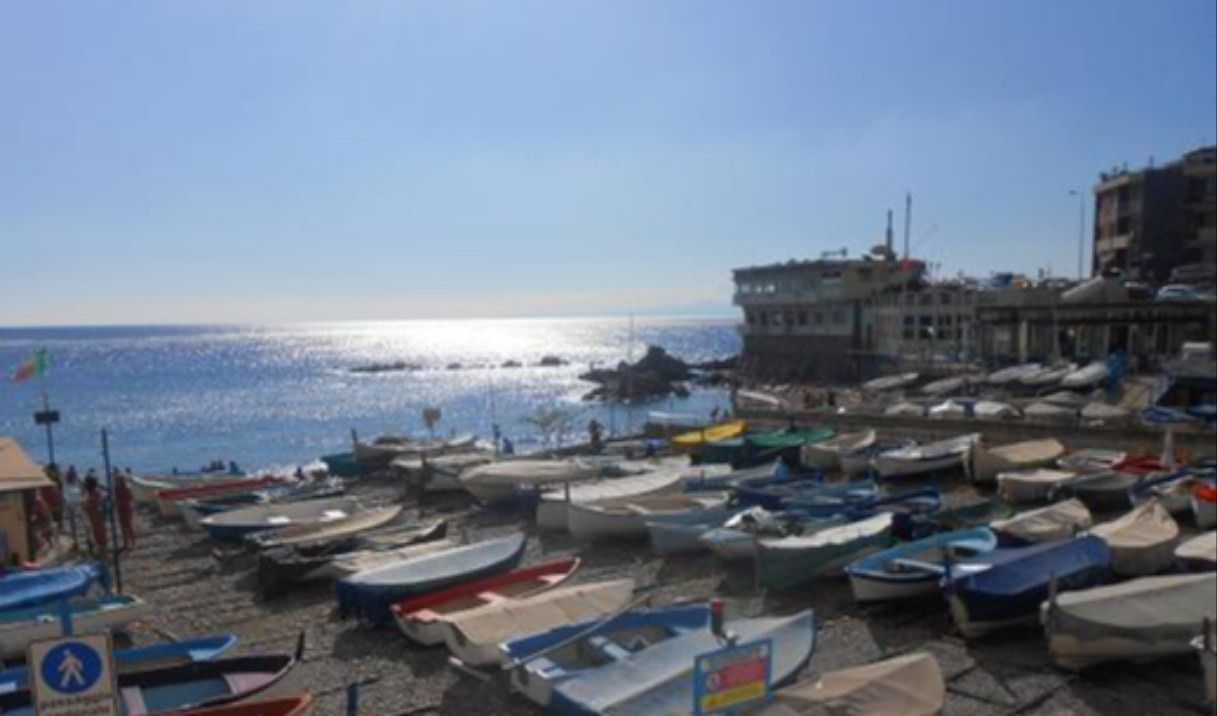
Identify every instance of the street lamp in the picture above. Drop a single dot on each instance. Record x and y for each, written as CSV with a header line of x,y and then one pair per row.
x,y
1081,195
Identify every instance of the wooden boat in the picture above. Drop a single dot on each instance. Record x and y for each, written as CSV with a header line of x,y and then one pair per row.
x,y
1057,521
326,530
157,656
994,410
439,473
854,505
384,449
298,705
1204,504
736,539
647,478
623,518
167,500
1173,490
944,386
826,455
425,619
860,461
913,569
1047,375
1198,553
474,637
1086,377
1013,374
195,511
948,410
982,463
18,627
144,488
500,481
890,382
1142,542
1045,412
1091,460
905,409
1139,620
922,459
787,561
1006,586
281,567
659,679
236,525
1033,485
31,588
539,661
367,560
369,594
1096,412
1102,491
195,685
909,685
696,438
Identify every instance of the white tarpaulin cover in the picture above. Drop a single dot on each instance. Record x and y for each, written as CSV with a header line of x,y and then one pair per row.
x,y
1142,542
1030,485
1202,548
1057,521
496,623
910,685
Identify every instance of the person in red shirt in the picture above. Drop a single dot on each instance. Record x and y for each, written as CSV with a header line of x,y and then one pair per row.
x,y
52,495
124,501
95,512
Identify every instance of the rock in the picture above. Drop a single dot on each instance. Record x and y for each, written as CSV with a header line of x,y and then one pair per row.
x,y
512,364
385,367
551,362
656,375
454,366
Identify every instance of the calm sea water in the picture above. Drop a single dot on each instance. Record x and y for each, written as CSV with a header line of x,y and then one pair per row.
x,y
181,396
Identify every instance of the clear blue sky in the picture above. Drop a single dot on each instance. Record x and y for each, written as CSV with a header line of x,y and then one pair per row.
x,y
281,159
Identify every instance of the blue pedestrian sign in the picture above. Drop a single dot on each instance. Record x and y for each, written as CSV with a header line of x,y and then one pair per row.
x,y
74,675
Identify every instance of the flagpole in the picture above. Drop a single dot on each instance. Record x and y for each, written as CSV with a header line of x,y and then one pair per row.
x,y
105,453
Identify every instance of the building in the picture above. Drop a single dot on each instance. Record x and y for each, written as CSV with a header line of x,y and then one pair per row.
x,y
1200,207
1151,221
926,324
20,477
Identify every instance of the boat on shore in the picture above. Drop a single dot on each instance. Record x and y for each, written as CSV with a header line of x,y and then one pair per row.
x,y
323,531
784,562
236,525
641,479
167,499
826,455
983,463
1142,542
913,569
909,685
694,439
921,459
31,588
499,481
1033,485
890,382
1013,374
1087,376
299,705
626,518
19,627
1058,521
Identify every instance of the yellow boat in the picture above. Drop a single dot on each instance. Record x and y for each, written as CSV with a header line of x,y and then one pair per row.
x,y
697,438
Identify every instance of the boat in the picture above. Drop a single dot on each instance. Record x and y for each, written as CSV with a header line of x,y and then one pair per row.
x,y
1091,460
994,410
826,455
765,447
659,679
1006,586
983,463
1142,542
860,461
1206,647
623,518
1198,553
1204,504
342,464
944,386
1102,413
1057,521
144,487
784,562
890,382
194,685
1173,490
713,480
167,499
281,567
1105,491
195,511
236,525
1086,377
647,478
696,438
440,473
913,569
855,504
384,449
1142,619
681,533
368,594
324,531
1035,485
142,659
18,627
908,685
474,637
1047,375
1066,399
299,705
367,560
905,409
424,619
921,459
1045,412
538,661
30,588
949,410
1013,374
499,481
776,496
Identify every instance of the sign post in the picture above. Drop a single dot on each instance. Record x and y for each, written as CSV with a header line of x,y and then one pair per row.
x,y
728,679
74,676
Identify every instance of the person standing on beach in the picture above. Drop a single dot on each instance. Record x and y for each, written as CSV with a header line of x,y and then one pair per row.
x,y
124,502
52,494
96,514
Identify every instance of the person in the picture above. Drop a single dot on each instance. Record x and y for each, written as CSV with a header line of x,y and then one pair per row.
x,y
44,527
96,514
52,494
594,432
124,503
714,414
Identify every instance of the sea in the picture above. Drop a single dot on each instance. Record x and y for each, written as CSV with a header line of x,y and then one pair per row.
x,y
270,397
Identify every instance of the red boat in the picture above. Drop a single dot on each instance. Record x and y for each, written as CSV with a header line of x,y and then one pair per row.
x,y
1144,464
298,705
423,618
199,492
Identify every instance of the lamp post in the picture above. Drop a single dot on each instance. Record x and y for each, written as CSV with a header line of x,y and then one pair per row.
x,y
1081,195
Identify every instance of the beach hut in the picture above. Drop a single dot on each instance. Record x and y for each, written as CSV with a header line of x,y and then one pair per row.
x,y
19,478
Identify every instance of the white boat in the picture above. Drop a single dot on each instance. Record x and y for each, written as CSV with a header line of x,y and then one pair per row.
x,y
784,562
1204,505
648,478
1091,460
944,386
474,637
1199,552
984,463
1065,399
1142,542
440,473
1143,619
948,410
626,517
826,455
1021,486
913,569
921,459
1096,412
994,410
368,560
499,481
1045,412
327,530
1058,521
235,525
1013,374
1086,377
909,685
1047,375
19,627
905,409
890,382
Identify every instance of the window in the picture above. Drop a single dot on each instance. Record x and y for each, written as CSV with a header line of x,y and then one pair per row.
x,y
909,321
802,317
945,319
944,299
749,317
927,299
926,320
764,318
819,318
908,332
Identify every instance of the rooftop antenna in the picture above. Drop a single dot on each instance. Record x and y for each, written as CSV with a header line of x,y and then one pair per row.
x,y
908,221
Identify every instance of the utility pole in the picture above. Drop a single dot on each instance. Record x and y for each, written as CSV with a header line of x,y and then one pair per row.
x,y
105,454
1081,195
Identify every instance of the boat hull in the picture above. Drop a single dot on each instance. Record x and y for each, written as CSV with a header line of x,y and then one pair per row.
x,y
112,613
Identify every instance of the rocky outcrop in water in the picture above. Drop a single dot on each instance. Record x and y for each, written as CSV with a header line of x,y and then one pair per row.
x,y
657,375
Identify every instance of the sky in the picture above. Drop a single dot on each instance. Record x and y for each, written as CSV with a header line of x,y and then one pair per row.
x,y
226,160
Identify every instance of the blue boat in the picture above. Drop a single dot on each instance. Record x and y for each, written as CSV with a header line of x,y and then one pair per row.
x,y
659,679
777,496
539,661
1006,586
34,587
145,658
777,473
913,569
370,594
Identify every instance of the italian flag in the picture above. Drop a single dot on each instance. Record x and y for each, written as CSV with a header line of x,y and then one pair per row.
x,y
33,368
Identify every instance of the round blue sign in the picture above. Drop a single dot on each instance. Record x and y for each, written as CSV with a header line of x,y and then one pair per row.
x,y
71,668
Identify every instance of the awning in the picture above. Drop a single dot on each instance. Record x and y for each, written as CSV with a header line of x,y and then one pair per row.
x,y
17,470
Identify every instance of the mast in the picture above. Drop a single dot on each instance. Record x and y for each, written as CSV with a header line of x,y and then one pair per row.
x,y
908,221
